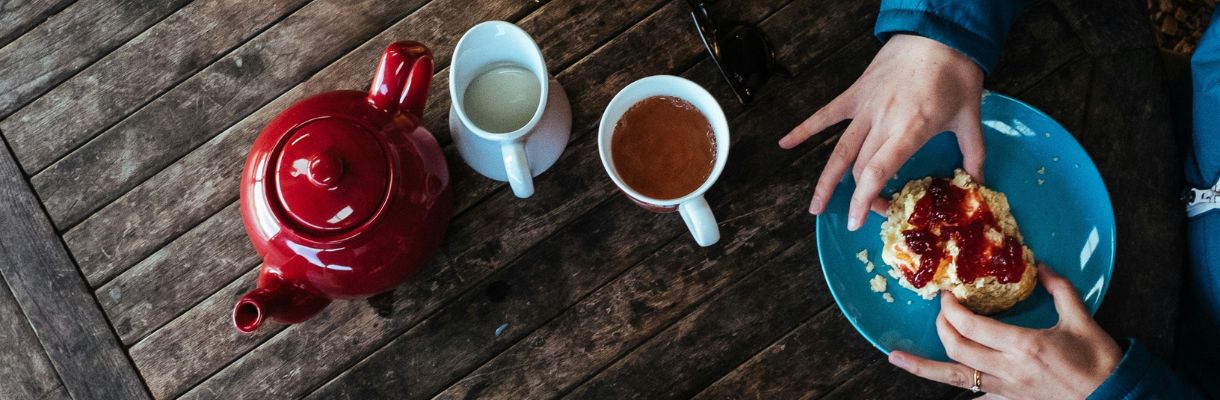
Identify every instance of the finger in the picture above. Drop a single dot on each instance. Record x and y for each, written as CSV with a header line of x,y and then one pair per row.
x,y
961,349
881,206
832,113
1067,303
981,329
867,150
845,151
884,164
948,373
969,132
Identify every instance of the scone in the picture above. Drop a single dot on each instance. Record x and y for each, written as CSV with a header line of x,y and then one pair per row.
x,y
956,235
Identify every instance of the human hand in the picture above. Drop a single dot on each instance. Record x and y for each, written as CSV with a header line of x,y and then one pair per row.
x,y
1067,361
914,89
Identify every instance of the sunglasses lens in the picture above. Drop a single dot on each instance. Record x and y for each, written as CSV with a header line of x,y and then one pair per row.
x,y
746,58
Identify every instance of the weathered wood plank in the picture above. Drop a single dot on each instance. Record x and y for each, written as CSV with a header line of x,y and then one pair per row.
x,y
210,173
1126,125
135,313
433,289
179,330
229,224
200,107
1108,27
54,298
809,362
480,323
1040,39
18,17
128,77
70,40
25,371
721,333
174,365
178,276
880,380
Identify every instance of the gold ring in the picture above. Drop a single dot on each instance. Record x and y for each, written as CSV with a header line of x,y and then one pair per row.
x,y
978,382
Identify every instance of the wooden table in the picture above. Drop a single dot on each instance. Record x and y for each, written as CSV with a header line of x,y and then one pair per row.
x,y
126,124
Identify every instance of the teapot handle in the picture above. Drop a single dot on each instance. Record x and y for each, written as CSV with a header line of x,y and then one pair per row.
x,y
402,78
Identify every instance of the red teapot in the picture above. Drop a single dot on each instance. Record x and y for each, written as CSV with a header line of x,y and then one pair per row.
x,y
345,195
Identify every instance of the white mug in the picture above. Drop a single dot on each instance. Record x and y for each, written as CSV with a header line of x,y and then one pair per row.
x,y
484,47
693,207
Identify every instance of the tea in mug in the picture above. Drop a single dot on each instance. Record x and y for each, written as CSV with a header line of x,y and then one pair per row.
x,y
502,99
663,147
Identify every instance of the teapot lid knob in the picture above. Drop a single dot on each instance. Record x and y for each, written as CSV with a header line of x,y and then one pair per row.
x,y
325,169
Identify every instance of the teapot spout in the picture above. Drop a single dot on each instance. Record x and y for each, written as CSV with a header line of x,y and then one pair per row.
x,y
282,303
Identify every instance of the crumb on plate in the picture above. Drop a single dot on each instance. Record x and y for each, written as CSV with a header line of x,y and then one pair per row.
x,y
888,298
878,283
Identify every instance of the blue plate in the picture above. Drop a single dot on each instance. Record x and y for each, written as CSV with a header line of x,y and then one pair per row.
x,y
1056,195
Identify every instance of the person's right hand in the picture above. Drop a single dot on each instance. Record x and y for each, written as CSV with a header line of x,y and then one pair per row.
x,y
914,89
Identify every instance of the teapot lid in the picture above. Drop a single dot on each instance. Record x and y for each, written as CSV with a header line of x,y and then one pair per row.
x,y
331,175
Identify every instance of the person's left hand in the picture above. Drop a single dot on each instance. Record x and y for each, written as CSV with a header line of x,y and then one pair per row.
x,y
1067,361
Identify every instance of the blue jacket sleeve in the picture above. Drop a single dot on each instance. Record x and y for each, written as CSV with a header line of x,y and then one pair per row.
x,y
1140,375
976,28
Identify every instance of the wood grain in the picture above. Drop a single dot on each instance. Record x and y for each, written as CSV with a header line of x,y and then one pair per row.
x,y
183,357
434,289
720,334
177,276
393,356
18,17
880,380
1123,137
145,217
227,224
128,77
199,108
54,298
70,40
25,371
187,331
809,362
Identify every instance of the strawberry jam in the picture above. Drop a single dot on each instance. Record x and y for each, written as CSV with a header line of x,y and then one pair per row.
x,y
944,213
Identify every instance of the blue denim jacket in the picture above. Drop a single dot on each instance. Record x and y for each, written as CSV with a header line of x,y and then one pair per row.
x,y
977,28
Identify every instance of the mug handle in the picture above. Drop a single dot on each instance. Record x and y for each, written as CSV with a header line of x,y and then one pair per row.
x,y
517,168
402,78
699,219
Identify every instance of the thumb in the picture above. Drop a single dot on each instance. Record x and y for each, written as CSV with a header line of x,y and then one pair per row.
x,y
1067,302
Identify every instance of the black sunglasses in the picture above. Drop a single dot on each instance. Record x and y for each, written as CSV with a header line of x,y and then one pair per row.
x,y
740,50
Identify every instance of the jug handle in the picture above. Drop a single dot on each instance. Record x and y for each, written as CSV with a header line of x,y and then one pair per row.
x,y
402,78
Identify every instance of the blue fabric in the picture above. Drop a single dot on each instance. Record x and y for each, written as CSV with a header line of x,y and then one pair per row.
x,y
1203,163
1139,375
976,28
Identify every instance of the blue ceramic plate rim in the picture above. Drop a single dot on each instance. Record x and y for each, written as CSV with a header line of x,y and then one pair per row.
x,y
1087,163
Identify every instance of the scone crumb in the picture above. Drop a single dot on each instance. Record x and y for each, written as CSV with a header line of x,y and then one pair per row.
x,y
869,267
888,298
1055,158
1041,181
908,302
1042,171
862,256
878,284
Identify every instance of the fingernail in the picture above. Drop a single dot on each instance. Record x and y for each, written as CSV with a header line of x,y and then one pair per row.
x,y
854,222
815,206
898,360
